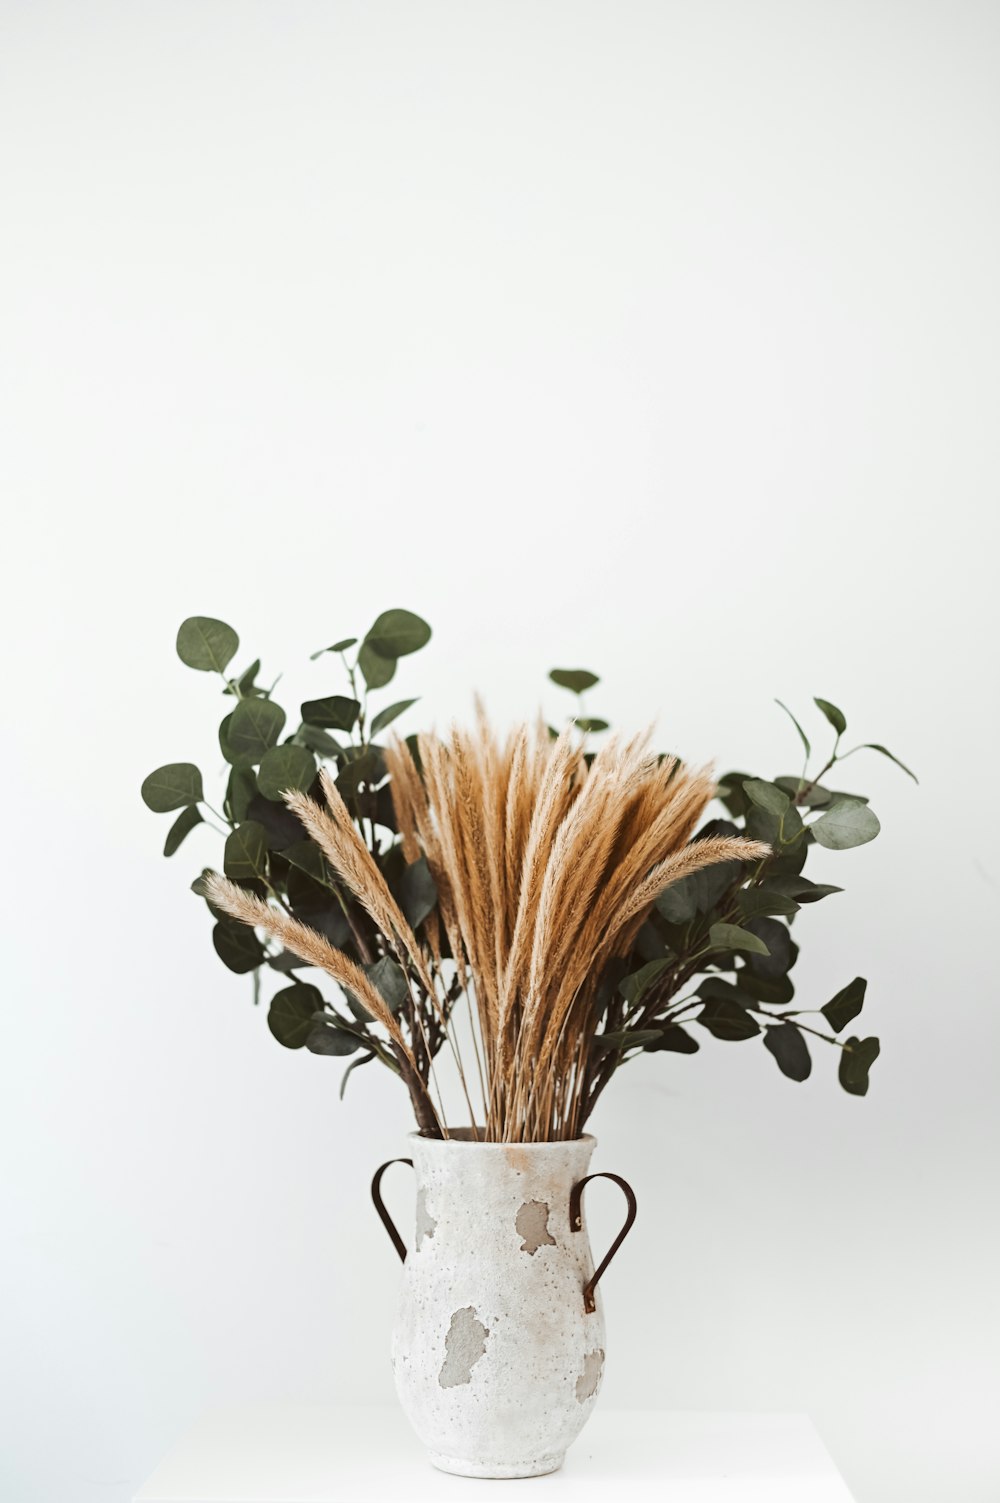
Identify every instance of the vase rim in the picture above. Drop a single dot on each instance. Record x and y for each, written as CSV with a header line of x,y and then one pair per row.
x,y
461,1136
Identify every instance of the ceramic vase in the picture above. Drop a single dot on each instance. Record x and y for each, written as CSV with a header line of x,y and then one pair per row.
x,y
498,1346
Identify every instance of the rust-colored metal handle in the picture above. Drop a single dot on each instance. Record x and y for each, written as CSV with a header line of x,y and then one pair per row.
x,y
386,1219
576,1225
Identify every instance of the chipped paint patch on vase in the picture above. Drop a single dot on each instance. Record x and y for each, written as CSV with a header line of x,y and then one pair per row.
x,y
464,1344
589,1380
425,1221
497,1363
532,1224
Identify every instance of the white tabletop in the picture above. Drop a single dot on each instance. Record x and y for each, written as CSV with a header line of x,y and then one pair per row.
x,y
318,1453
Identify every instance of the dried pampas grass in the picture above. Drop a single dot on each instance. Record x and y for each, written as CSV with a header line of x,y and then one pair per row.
x,y
547,862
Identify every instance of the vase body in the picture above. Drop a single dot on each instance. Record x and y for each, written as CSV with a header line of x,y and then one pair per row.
x,y
496,1361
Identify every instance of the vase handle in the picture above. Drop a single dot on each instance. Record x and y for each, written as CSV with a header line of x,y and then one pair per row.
x,y
576,1225
386,1219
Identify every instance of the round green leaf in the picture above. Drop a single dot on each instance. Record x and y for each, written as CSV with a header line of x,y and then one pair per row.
x,y
766,796
240,791
727,1020
589,724
576,680
847,824
397,633
172,787
327,1038
181,828
336,712
732,937
674,1040
284,768
206,644
846,1005
856,1060
237,946
246,851
417,892
378,669
790,1050
252,729
389,980
292,1013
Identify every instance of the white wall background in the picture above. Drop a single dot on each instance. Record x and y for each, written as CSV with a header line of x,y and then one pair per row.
x,y
661,338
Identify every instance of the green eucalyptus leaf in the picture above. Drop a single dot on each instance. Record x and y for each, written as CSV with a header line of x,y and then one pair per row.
x,y
874,746
799,888
807,795
846,1005
308,858
834,716
633,988
361,766
318,741
396,634
286,768
280,825
790,1050
389,980
846,824
765,902
576,680
730,793
246,851
237,946
181,828
172,787
365,1059
802,735
417,893
780,953
334,713
766,796
206,644
341,646
240,791
589,724
327,1038
244,684
389,714
626,1038
733,937
252,729
856,1060
286,961
727,1020
776,991
674,1039
292,1012
378,670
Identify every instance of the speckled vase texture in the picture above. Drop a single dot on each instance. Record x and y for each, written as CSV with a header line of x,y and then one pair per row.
x,y
497,1364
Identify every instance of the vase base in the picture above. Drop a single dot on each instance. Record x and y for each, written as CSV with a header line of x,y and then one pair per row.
x,y
538,1466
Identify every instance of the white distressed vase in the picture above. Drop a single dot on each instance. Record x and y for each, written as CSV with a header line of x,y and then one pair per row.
x,y
498,1346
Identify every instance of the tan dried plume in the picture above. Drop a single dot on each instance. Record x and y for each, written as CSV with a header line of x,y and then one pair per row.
x,y
547,867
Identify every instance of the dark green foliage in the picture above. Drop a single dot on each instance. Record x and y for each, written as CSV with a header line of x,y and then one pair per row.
x,y
175,786
292,1013
716,950
845,1006
856,1060
790,1049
